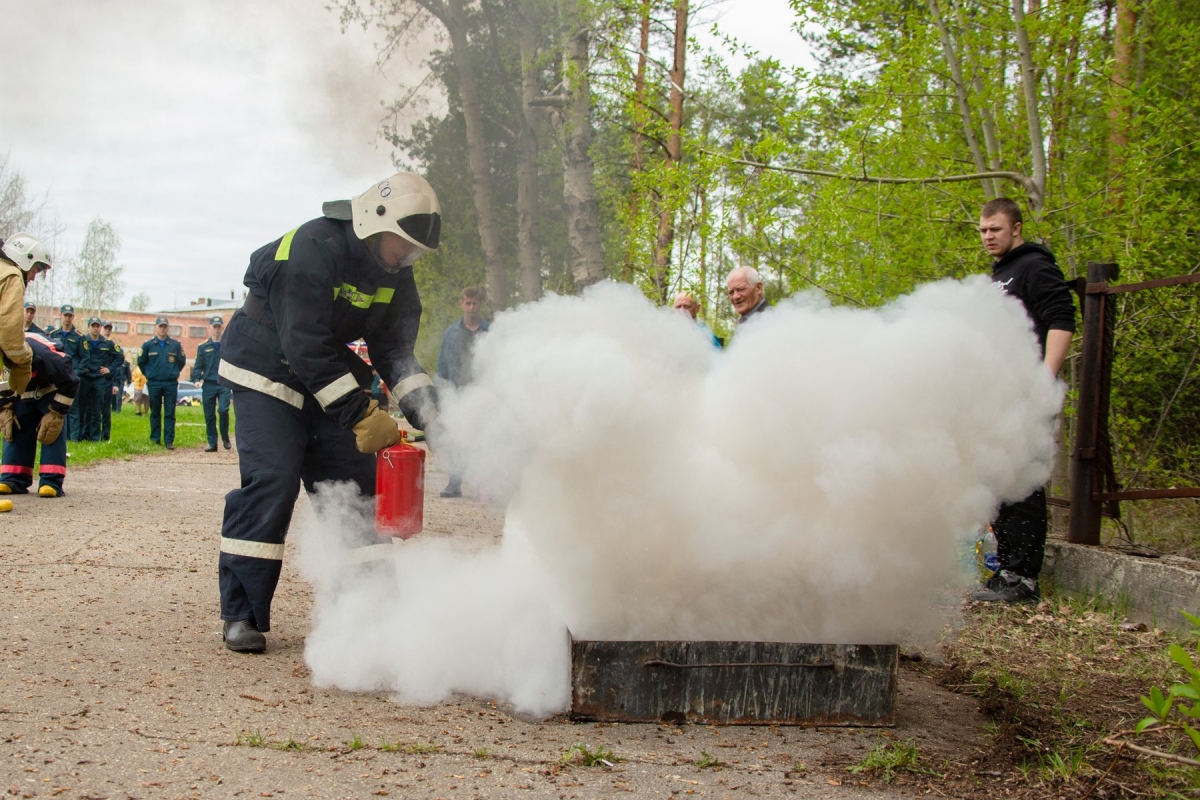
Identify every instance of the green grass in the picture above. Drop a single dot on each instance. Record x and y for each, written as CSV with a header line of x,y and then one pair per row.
x,y
889,758
581,754
131,437
708,761
251,739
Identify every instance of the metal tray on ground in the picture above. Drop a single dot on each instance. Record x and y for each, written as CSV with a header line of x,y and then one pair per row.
x,y
734,683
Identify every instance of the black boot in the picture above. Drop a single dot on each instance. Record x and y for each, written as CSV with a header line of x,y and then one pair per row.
x,y
242,636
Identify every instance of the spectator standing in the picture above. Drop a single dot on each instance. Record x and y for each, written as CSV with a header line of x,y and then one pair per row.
x,y
96,354
1028,272
140,401
116,382
37,416
454,359
745,289
161,361
686,304
70,341
303,416
30,313
214,396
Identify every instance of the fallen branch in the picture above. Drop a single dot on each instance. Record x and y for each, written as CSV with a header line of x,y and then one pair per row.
x,y
1191,762
1024,181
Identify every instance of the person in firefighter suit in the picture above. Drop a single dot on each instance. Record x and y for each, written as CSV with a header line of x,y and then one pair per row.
x,y
70,341
96,354
214,396
22,257
302,411
37,416
161,361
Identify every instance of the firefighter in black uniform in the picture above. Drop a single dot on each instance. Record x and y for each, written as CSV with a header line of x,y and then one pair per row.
x,y
70,341
38,414
214,396
303,414
95,385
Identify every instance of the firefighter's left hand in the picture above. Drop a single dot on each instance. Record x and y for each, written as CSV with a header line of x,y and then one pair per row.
x,y
376,430
50,427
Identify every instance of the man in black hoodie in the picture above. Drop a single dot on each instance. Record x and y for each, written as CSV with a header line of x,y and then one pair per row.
x,y
1026,271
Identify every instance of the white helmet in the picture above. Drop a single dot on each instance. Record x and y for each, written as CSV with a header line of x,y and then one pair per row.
x,y
404,204
25,251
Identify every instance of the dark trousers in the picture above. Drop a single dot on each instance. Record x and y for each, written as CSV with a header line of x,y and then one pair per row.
x,y
119,397
91,402
1020,530
71,428
215,399
280,447
106,411
163,396
16,468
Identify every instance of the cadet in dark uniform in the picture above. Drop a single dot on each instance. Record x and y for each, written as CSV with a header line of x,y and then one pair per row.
x,y
96,353
30,325
161,361
119,372
215,396
69,341
116,369
299,393
39,415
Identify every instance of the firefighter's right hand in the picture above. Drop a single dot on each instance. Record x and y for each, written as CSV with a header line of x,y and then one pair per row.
x,y
18,376
376,430
8,419
50,427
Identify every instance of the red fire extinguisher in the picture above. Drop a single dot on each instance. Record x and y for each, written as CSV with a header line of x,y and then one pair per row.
x,y
400,490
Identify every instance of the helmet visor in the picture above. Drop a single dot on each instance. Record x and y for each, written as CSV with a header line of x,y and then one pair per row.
x,y
424,229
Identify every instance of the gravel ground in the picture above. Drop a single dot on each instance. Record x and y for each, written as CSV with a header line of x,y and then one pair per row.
x,y
116,684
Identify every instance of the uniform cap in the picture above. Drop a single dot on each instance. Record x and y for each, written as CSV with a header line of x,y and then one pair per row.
x,y
216,320
67,309
161,321
107,325
31,305
93,321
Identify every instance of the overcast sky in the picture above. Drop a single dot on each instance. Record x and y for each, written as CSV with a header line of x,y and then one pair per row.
x,y
203,130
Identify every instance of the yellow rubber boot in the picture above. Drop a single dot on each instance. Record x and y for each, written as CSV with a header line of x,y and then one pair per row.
x,y
5,505
47,491
5,488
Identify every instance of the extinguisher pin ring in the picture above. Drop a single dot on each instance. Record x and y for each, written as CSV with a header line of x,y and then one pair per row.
x,y
387,456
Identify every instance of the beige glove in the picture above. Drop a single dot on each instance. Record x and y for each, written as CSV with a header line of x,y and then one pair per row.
x,y
18,377
8,421
376,430
50,427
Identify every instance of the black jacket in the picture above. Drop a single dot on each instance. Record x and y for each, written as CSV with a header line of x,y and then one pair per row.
x,y
52,372
312,291
1028,272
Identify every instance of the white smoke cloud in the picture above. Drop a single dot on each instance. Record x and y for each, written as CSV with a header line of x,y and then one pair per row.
x,y
809,484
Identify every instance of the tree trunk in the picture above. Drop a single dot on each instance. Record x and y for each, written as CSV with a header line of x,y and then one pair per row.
x,y
1120,110
639,124
666,215
1029,83
580,206
960,93
529,251
477,157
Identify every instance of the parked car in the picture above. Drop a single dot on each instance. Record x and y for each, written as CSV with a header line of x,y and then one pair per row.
x,y
189,394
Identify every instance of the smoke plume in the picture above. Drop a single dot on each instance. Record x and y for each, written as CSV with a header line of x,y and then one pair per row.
x,y
809,484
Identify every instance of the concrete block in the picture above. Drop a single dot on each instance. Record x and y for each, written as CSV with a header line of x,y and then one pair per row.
x,y
1150,590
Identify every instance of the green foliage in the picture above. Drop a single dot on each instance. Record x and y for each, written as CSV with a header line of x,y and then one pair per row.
x,y
708,761
1179,707
355,743
291,744
889,758
131,437
581,754
251,739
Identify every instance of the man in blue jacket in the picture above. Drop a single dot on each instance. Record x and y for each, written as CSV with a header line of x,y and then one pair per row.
x,y
300,394
455,356
215,397
161,361
95,384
